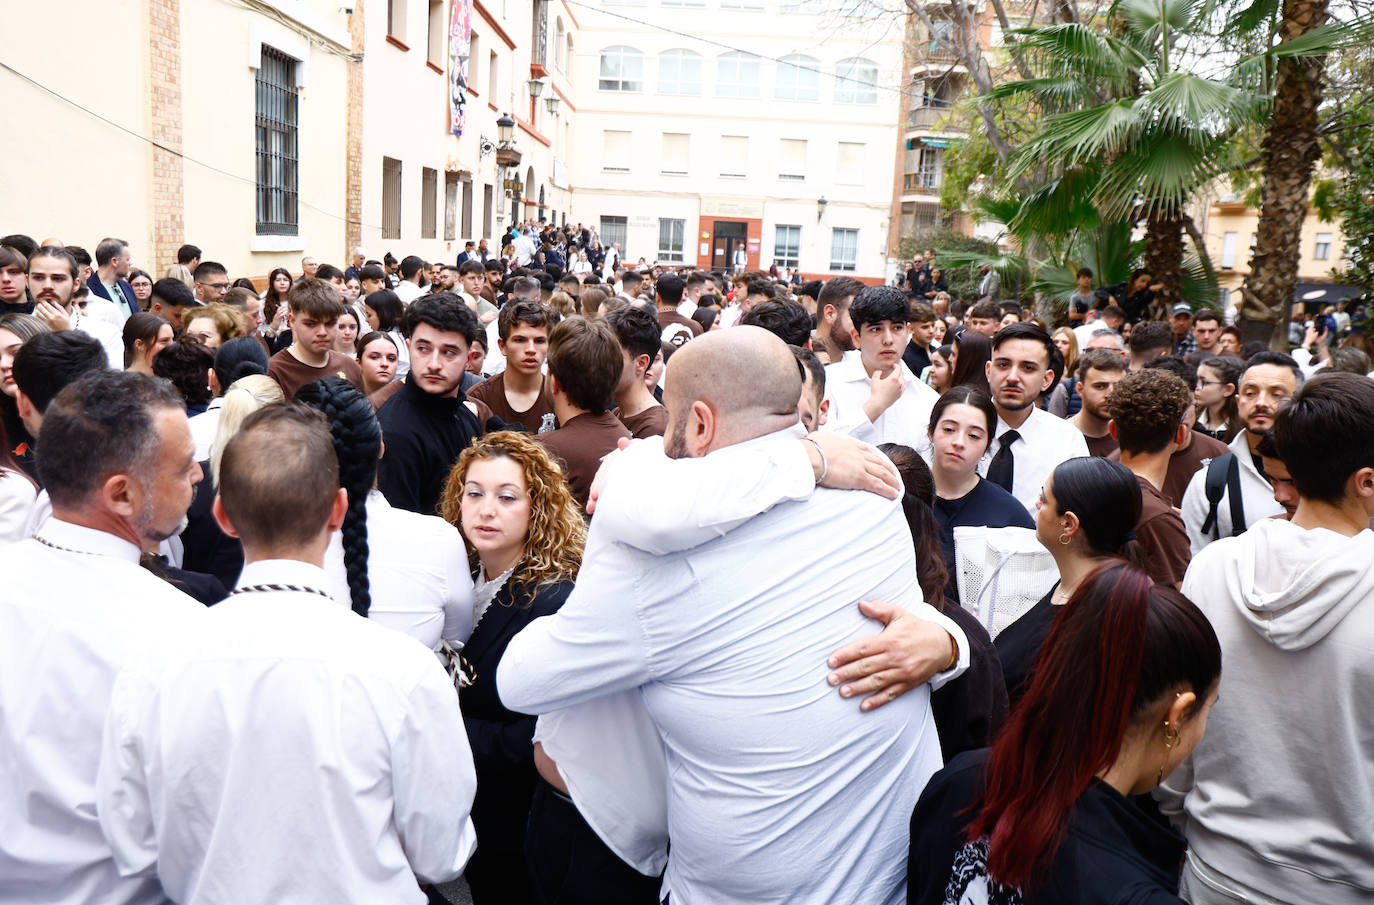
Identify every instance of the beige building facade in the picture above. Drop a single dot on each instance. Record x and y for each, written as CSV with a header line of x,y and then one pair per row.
x,y
1230,232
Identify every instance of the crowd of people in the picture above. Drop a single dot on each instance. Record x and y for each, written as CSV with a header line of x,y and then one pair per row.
x,y
601,582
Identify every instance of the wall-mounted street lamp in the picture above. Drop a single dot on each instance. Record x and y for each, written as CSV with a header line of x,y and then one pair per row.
x,y
536,87
551,104
820,208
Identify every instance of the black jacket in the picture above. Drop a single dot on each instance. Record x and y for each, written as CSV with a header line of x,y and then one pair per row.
x,y
206,548
424,435
969,711
917,357
1113,852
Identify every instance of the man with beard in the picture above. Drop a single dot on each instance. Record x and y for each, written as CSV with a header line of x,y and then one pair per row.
x,y
1099,370
52,276
314,319
110,279
1269,380
429,421
77,607
834,332
1030,441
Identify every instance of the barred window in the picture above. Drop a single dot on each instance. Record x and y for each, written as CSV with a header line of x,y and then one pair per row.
x,y
277,145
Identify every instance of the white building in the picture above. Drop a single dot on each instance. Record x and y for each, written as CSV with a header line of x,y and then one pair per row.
x,y
764,124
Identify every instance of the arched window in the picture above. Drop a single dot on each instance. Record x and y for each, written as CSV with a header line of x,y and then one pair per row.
x,y
679,72
737,75
568,57
856,82
558,32
799,79
622,69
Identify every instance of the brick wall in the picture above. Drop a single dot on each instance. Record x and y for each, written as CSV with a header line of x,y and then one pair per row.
x,y
353,203
164,81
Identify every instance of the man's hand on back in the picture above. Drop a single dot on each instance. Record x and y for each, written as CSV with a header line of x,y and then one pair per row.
x,y
885,666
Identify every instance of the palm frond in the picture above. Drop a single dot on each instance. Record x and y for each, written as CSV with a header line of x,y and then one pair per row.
x,y
1010,267
1051,92
1162,172
1184,101
1084,135
1061,205
1258,13
1147,15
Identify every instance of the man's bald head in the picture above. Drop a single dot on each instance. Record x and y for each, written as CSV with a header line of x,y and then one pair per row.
x,y
727,387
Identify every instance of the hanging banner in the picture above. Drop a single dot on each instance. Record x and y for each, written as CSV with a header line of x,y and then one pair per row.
x,y
459,49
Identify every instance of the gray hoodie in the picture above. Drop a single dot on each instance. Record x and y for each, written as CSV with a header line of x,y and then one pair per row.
x,y
1279,795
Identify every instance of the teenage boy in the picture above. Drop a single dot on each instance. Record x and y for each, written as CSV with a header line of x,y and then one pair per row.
x,y
1099,370
637,329
1269,380
1289,601
1148,409
916,355
472,276
314,319
873,395
1082,301
1030,441
519,395
585,366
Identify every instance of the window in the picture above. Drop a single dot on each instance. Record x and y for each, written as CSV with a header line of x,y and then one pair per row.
x,y
741,4
844,249
486,211
451,207
615,152
467,208
391,198
734,156
792,160
1228,251
438,29
671,237
474,58
684,2
622,69
737,75
679,72
568,57
803,6
787,245
396,19
799,79
612,231
928,169
849,162
276,144
1323,250
493,77
558,34
429,187
856,82
676,146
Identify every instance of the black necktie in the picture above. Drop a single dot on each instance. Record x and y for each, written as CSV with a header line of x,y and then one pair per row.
x,y
1003,464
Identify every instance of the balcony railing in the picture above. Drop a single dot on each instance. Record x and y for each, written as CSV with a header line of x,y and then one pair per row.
x,y
923,183
928,117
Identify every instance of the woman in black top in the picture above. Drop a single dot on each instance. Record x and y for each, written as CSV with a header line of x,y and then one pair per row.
x,y
969,710
962,424
1130,671
525,535
1087,513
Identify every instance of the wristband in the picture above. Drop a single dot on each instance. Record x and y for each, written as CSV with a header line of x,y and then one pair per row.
x,y
953,654
825,466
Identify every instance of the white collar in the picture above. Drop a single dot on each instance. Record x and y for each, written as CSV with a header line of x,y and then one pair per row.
x,y
73,538
850,368
284,571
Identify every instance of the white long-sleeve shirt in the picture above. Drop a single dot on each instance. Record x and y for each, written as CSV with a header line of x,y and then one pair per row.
x,y
770,772
292,752
1256,493
1045,441
72,619
418,570
848,386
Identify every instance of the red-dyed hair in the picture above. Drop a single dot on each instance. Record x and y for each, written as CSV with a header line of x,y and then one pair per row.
x,y
1118,646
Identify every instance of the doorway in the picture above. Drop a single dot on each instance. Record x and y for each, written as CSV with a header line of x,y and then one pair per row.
x,y
728,236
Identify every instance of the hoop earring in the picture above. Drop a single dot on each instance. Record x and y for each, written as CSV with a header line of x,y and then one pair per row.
x,y
1171,740
1064,538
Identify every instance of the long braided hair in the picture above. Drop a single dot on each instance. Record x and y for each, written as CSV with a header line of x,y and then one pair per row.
x,y
358,445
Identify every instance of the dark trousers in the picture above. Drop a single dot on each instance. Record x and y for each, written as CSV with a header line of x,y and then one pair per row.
x,y
570,865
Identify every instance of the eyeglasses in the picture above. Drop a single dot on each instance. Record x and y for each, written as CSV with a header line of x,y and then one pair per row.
x,y
1209,383
220,286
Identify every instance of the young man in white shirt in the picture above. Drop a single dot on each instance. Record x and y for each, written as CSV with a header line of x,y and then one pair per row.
x,y
412,274
873,395
291,751
77,607
52,279
1030,441
1289,600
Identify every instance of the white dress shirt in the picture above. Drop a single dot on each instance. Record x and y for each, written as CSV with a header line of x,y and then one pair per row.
x,y
72,619
291,752
906,421
16,501
418,570
771,774
110,337
1256,494
205,427
408,291
1045,441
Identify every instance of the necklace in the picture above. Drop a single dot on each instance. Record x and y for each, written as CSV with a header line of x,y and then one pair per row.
x,y
268,588
48,543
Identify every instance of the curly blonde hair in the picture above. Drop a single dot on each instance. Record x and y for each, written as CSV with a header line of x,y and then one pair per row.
x,y
557,532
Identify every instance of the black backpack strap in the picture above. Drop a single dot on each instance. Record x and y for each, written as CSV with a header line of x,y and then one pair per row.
x,y
1216,482
1235,498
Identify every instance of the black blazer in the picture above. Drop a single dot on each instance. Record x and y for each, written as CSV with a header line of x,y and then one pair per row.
x,y
98,288
502,740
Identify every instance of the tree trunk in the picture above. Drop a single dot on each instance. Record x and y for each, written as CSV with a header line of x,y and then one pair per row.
x,y
1164,260
1290,151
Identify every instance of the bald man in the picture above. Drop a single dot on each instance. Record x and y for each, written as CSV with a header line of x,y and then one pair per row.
x,y
777,788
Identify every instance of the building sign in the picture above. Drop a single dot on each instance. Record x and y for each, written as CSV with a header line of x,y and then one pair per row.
x,y
514,186
560,175
732,208
459,48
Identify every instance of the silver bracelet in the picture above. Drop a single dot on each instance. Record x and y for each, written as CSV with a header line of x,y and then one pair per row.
x,y
825,466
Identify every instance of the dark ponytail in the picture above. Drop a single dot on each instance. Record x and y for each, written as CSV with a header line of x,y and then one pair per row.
x,y
1105,496
358,444
920,517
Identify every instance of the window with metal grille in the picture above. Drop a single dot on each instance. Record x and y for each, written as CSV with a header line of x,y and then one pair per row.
x,y
844,249
429,187
787,245
613,230
486,211
391,198
671,236
451,207
277,145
